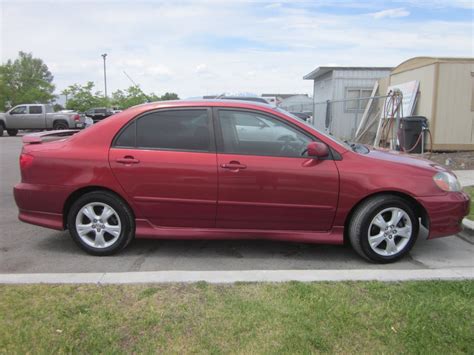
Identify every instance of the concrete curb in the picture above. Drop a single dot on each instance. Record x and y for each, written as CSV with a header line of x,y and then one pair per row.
x,y
223,277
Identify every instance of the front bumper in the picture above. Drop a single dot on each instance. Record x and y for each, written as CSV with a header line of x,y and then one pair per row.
x,y
445,213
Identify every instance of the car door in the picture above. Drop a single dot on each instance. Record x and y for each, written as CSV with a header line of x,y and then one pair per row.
x,y
166,162
15,117
267,183
34,119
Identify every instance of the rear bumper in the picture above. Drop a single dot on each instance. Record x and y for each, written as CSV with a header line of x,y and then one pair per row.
x,y
41,205
446,213
43,219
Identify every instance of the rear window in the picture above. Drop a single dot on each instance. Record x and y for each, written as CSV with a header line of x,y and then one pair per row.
x,y
187,130
127,137
36,109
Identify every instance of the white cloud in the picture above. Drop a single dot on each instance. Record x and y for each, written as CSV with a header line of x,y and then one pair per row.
x,y
159,44
391,13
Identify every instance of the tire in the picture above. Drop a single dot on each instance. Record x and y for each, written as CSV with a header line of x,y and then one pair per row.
x,y
117,230
1,129
12,132
60,125
376,235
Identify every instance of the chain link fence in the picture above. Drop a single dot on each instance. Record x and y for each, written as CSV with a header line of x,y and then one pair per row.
x,y
342,118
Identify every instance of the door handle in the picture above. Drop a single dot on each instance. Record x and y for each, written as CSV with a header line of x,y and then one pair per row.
x,y
233,165
127,160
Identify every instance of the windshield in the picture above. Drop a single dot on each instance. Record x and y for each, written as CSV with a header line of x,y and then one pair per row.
x,y
330,136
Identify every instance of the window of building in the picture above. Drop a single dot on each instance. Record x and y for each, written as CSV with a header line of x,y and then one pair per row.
x,y
354,96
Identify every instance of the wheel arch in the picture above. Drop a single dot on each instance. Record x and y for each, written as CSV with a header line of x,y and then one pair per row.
x,y
418,208
60,120
84,190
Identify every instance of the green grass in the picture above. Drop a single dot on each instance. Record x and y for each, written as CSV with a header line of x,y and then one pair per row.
x,y
350,317
470,191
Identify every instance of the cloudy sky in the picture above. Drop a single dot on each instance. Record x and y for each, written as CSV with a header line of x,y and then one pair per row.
x,y
205,47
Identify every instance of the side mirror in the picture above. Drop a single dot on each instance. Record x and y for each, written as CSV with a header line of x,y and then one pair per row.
x,y
317,150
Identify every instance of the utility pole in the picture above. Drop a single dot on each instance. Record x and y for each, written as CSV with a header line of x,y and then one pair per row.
x,y
105,75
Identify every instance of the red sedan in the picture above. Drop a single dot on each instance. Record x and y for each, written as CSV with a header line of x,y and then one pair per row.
x,y
231,170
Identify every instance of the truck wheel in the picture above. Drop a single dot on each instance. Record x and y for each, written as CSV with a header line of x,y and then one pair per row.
x,y
1,129
12,132
60,125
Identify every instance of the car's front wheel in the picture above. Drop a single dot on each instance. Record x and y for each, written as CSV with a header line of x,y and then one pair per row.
x,y
101,223
384,228
12,132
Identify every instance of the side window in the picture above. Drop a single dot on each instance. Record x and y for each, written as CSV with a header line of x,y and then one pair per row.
x,y
20,110
126,138
255,134
172,129
35,109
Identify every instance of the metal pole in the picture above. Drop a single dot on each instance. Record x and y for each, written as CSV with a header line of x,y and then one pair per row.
x,y
105,75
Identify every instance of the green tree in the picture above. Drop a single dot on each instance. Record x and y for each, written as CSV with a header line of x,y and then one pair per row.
x,y
131,97
25,80
81,97
169,96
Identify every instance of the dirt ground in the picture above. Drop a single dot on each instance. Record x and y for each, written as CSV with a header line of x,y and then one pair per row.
x,y
452,160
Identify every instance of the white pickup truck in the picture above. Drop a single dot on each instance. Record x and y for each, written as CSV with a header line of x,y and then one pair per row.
x,y
38,116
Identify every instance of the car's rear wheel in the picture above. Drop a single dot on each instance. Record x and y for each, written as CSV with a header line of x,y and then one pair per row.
x,y
384,228
12,132
1,129
101,223
60,125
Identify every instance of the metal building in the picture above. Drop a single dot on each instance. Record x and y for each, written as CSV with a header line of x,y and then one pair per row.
x,y
343,87
446,98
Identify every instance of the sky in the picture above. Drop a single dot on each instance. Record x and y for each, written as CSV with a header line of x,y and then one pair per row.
x,y
197,48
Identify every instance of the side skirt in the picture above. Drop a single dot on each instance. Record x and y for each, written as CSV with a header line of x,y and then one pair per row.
x,y
145,230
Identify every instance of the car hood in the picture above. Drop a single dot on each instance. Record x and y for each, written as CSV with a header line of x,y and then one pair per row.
x,y
403,159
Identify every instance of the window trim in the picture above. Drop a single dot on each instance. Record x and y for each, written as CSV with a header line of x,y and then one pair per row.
x,y
220,137
212,141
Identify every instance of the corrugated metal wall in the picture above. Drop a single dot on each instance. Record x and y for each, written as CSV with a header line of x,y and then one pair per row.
x,y
333,86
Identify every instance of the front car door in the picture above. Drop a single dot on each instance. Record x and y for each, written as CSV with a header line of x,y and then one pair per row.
x,y
16,116
266,181
166,162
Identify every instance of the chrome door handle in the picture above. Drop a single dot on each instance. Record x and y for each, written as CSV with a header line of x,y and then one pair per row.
x,y
233,166
127,160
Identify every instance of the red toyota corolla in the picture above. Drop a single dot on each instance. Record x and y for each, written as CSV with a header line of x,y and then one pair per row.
x,y
231,170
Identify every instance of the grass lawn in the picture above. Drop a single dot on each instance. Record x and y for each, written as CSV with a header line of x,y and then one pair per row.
x,y
346,317
470,191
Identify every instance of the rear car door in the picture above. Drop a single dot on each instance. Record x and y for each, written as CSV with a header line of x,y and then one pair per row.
x,y
264,180
35,117
166,162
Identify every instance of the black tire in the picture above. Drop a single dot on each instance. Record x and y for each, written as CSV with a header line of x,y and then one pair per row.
x,y
12,132
124,212
1,129
60,125
365,214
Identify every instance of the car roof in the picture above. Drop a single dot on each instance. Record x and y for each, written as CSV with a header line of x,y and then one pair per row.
x,y
206,102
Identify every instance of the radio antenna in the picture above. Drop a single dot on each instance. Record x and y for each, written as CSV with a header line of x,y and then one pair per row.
x,y
137,86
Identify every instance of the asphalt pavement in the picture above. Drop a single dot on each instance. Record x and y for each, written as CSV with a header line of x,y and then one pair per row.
x,y
26,248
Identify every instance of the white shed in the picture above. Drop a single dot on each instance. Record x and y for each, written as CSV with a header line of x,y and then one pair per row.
x,y
343,86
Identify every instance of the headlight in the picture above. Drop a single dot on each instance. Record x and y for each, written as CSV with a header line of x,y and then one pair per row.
x,y
447,182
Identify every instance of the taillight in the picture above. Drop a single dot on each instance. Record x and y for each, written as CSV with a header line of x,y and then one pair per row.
x,y
25,161
77,118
